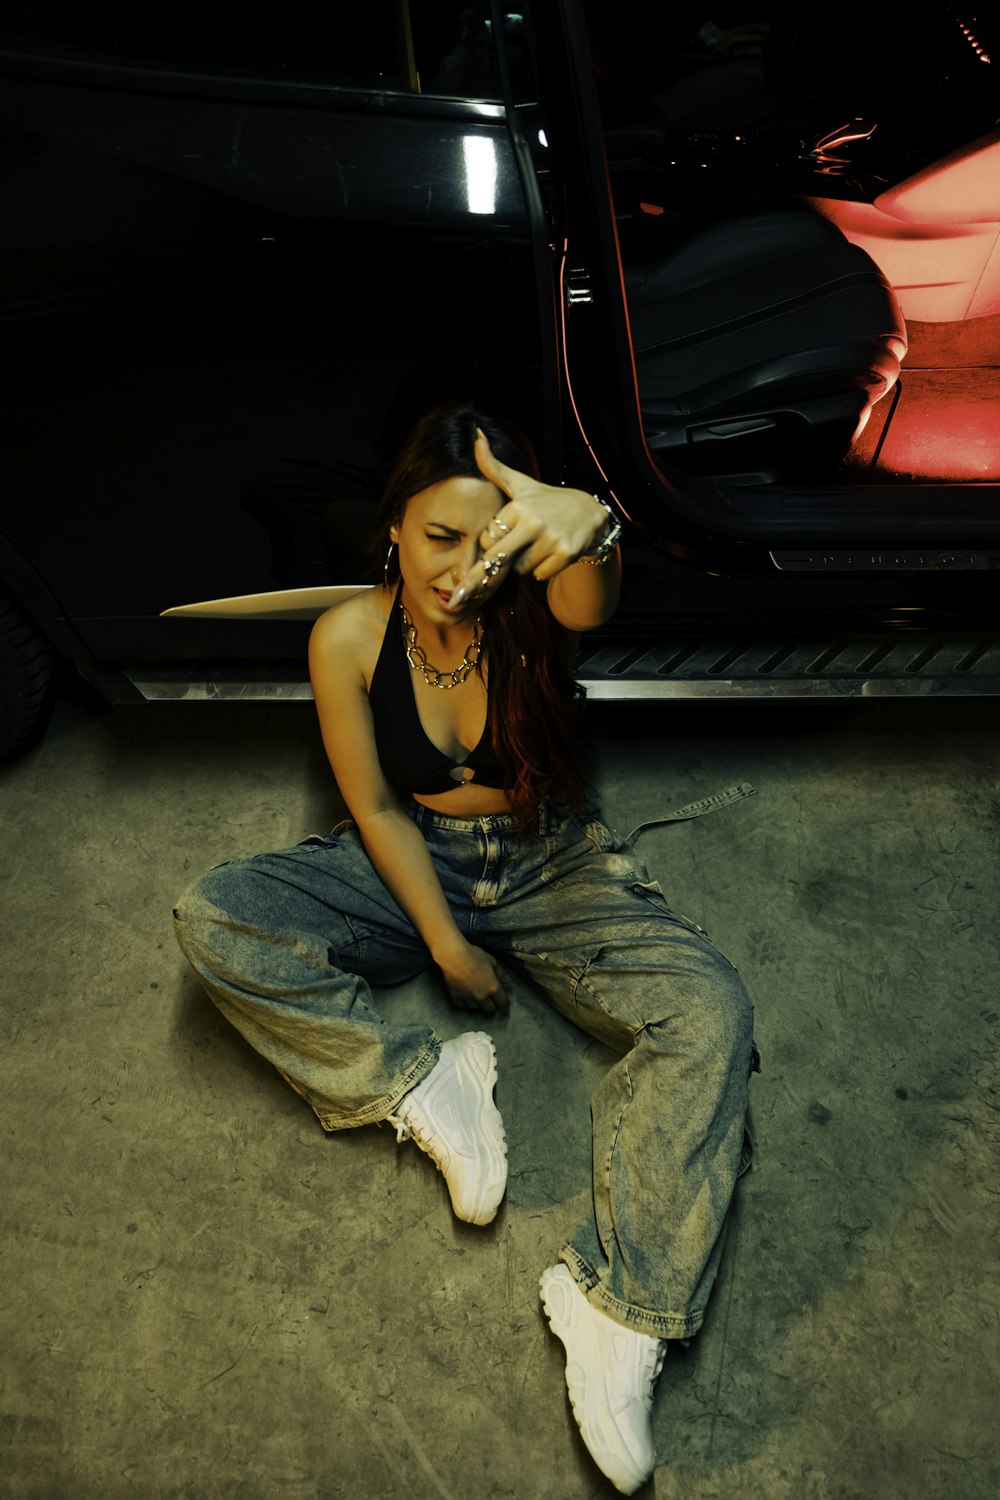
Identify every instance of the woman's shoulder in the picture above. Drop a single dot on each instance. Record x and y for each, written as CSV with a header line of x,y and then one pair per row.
x,y
353,627
355,617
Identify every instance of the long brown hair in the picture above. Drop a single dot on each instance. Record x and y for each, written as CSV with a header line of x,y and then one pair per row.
x,y
534,700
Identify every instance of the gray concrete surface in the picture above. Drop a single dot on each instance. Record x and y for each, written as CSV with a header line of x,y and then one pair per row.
x,y
204,1296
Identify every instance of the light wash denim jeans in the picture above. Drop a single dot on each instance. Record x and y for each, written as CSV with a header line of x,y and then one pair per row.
x,y
288,945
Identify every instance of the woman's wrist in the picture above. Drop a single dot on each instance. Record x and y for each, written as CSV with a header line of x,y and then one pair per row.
x,y
446,947
606,540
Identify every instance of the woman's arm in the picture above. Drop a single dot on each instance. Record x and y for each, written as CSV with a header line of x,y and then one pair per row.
x,y
546,530
583,595
393,842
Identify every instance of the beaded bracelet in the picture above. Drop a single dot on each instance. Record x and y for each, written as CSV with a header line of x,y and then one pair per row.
x,y
601,554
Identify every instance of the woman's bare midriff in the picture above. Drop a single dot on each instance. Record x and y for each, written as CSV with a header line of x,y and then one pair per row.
x,y
467,801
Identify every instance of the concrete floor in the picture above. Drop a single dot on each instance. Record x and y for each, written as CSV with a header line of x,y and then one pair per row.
x,y
204,1296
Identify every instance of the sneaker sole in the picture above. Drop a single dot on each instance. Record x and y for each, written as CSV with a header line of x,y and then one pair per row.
x,y
484,1209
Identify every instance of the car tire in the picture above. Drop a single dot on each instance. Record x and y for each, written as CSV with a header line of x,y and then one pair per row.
x,y
26,674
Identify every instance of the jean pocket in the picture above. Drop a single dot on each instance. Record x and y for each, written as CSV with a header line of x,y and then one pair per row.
x,y
652,891
599,835
325,840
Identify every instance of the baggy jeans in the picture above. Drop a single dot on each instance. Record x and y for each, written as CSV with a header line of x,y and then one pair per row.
x,y
289,944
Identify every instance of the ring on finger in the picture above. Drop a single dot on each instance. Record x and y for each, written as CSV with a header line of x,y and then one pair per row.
x,y
502,525
492,566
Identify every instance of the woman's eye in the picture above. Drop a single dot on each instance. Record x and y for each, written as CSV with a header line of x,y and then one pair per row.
x,y
438,538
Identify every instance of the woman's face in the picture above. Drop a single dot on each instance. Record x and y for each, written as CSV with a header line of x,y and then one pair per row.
x,y
438,538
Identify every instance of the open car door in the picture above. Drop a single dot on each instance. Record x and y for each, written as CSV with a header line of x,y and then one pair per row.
x,y
734,369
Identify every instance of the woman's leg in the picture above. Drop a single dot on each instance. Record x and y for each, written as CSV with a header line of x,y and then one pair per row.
x,y
586,924
668,1121
287,946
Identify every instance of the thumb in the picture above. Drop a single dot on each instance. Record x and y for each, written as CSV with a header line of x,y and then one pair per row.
x,y
491,468
501,997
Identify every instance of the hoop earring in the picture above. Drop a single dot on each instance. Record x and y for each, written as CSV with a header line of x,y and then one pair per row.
x,y
385,570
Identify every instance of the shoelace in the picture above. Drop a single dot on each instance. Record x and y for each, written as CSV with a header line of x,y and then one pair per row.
x,y
404,1132
653,1361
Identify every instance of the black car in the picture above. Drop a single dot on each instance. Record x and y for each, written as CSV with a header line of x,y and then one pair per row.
x,y
739,274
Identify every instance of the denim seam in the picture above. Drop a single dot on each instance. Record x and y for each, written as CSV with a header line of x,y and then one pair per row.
x,y
618,1125
360,937
580,982
611,1154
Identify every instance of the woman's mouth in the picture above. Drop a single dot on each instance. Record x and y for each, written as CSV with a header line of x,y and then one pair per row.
x,y
443,594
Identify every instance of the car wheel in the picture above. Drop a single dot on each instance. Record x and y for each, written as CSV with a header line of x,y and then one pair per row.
x,y
26,673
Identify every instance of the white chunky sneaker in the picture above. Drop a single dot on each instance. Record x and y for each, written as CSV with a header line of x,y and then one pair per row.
x,y
610,1373
451,1115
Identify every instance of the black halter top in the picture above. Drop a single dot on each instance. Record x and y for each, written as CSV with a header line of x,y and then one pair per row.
x,y
409,759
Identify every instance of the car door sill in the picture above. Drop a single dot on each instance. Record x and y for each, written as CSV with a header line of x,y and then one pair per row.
x,y
843,667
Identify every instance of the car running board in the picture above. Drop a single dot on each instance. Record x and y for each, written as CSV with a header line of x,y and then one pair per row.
x,y
616,670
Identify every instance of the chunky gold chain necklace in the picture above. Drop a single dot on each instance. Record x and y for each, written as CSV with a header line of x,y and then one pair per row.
x,y
417,658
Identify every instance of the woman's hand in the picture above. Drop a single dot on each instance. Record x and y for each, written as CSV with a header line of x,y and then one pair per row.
x,y
473,979
541,530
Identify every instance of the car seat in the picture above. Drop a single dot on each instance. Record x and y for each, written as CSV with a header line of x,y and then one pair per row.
x,y
761,344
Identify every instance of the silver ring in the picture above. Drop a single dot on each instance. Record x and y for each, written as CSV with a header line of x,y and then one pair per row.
x,y
491,567
496,521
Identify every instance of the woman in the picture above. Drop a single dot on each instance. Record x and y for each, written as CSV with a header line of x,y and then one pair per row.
x,y
447,707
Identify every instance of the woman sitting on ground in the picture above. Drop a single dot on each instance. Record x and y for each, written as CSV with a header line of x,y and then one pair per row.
x,y
448,710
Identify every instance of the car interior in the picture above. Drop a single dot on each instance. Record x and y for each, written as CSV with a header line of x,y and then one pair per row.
x,y
809,221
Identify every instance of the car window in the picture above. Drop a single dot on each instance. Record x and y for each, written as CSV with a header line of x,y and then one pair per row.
x,y
455,50
439,47
367,49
